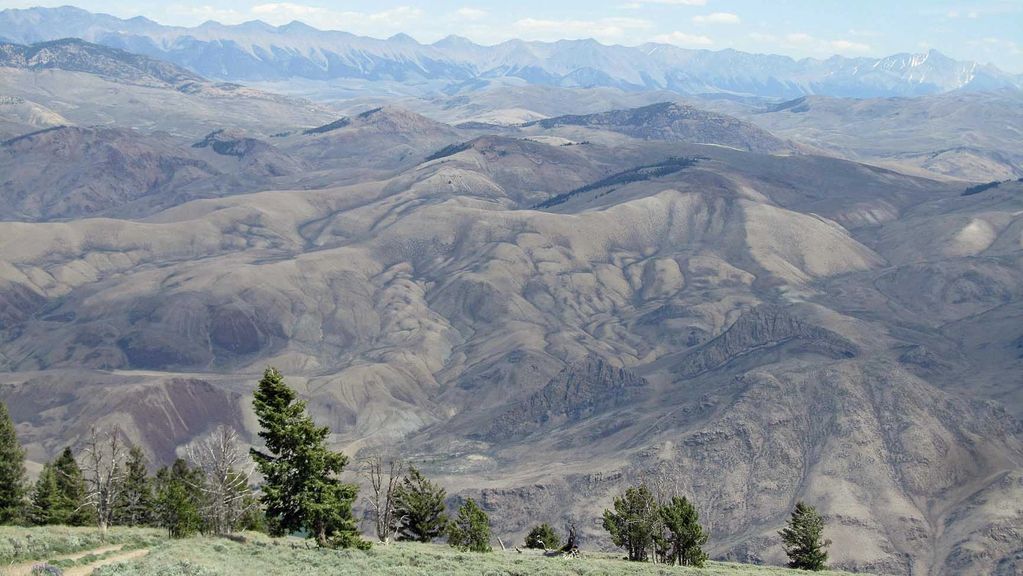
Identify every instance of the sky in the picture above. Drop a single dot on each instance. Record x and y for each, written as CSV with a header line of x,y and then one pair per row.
x,y
987,31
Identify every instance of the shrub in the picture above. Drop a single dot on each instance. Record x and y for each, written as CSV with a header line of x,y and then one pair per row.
x,y
470,531
543,537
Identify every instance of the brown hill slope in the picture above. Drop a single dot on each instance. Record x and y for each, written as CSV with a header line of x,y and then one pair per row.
x,y
765,327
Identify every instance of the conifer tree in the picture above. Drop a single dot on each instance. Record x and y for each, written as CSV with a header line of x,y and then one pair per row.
x,y
470,531
45,507
419,508
12,471
543,537
685,537
803,539
73,506
177,508
134,504
635,522
301,490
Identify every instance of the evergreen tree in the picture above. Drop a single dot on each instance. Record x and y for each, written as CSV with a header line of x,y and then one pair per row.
x,y
685,536
177,508
470,531
301,489
803,539
134,504
419,508
12,471
46,499
543,537
634,523
73,507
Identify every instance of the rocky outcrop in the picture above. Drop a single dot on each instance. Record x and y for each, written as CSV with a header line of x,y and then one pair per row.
x,y
257,157
580,391
675,122
758,329
81,56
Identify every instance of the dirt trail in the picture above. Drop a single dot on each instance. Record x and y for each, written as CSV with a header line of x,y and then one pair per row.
x,y
25,568
87,569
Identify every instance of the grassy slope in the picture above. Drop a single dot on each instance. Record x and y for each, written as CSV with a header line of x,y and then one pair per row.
x,y
292,557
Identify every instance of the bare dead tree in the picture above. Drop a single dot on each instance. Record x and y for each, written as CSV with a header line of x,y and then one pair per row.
x,y
382,492
226,473
102,468
667,481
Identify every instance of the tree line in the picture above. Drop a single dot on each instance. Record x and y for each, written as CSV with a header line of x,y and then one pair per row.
x,y
301,491
108,484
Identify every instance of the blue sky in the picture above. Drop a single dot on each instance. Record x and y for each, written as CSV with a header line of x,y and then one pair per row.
x,y
981,30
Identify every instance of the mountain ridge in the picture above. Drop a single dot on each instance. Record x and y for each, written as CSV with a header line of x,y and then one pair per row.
x,y
256,51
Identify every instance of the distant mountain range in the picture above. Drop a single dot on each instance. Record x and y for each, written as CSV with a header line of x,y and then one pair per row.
x,y
256,51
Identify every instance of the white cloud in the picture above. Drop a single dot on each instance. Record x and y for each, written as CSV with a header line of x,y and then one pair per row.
x,y
799,39
604,29
972,14
717,18
207,12
804,44
863,33
674,2
395,16
992,44
682,39
761,37
370,23
640,3
846,46
286,10
467,13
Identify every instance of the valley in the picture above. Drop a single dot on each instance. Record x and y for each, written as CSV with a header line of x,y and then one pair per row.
x,y
541,294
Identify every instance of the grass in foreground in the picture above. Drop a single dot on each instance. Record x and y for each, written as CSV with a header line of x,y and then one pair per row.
x,y
292,557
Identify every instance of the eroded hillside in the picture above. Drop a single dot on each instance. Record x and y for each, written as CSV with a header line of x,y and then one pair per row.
x,y
702,298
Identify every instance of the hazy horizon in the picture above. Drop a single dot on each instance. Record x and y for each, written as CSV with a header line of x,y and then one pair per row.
x,y
983,32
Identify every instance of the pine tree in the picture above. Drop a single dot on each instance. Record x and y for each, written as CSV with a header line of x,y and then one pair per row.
x,y
177,508
803,539
12,471
634,523
301,489
134,503
685,537
543,537
45,499
470,531
419,508
73,506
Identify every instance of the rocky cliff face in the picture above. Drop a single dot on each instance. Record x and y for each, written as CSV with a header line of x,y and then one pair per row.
x,y
758,331
579,392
